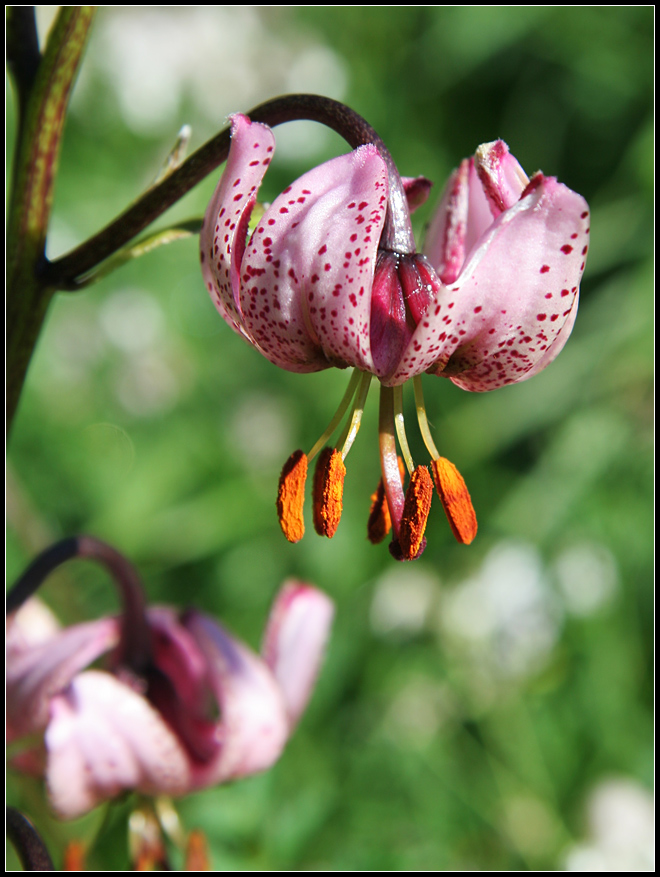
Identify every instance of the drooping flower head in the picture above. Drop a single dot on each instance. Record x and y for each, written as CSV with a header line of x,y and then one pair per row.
x,y
183,706
330,277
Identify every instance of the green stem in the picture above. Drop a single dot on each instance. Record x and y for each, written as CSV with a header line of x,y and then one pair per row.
x,y
178,232
43,89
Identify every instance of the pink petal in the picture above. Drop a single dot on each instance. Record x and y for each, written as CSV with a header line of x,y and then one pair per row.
x,y
513,305
181,690
105,738
478,191
295,640
417,191
308,268
37,674
500,174
30,625
446,238
222,239
253,725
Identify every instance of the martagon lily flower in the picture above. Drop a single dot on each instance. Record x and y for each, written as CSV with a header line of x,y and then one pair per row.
x,y
330,277
179,704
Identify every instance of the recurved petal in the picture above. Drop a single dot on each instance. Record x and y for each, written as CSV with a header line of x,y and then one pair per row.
x,y
294,642
446,236
512,308
462,217
500,174
308,268
417,191
223,235
253,725
29,626
103,739
38,673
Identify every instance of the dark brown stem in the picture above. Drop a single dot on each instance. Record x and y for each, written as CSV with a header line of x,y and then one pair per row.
x,y
27,842
69,271
23,54
135,647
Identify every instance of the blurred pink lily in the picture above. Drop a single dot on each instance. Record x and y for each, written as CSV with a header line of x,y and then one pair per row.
x,y
330,277
204,709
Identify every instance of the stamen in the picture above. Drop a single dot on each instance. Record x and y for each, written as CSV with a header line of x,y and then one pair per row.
x,y
197,852
74,856
455,499
422,419
400,429
328,492
291,496
389,461
350,431
338,415
415,514
380,522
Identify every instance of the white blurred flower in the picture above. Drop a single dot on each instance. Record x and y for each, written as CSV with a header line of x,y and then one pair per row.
x,y
587,576
260,430
131,319
220,59
505,616
152,372
418,711
403,599
148,383
621,829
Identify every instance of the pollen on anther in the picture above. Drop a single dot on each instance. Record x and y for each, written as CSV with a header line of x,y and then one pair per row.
x,y
455,499
291,496
415,512
328,492
380,522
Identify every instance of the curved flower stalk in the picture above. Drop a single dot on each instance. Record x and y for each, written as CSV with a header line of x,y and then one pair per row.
x,y
330,277
203,709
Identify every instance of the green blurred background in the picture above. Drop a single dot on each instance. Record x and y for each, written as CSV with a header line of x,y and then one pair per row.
x,y
484,708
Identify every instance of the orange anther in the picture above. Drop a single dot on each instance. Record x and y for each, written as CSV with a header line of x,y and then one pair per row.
x,y
455,499
197,852
291,496
74,856
328,492
415,513
380,522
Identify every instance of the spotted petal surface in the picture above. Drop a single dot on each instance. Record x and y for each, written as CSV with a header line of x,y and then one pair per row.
x,y
299,290
222,238
513,303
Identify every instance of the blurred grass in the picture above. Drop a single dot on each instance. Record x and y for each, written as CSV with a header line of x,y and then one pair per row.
x,y
143,421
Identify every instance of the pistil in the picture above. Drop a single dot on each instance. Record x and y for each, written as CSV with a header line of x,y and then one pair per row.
x,y
408,512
